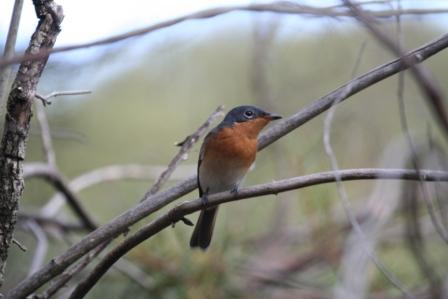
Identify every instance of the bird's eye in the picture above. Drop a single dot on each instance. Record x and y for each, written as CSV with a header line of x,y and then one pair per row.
x,y
248,113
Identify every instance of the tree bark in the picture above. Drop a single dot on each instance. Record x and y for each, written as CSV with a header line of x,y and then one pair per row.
x,y
17,122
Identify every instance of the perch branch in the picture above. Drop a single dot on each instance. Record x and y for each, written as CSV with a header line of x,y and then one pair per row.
x,y
181,210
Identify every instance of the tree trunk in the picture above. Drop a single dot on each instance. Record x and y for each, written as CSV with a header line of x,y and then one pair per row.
x,y
17,121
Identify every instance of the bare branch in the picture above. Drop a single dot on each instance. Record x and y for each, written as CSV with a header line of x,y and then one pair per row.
x,y
352,87
282,7
49,222
5,72
189,207
20,245
343,197
46,136
46,99
185,145
54,177
105,174
41,248
120,223
422,76
65,277
17,122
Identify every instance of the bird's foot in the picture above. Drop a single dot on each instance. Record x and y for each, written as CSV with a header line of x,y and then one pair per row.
x,y
234,190
184,219
204,200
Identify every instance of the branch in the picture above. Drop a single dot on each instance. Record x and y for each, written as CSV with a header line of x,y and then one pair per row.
x,y
155,202
352,87
47,144
422,76
50,222
17,122
41,247
102,175
185,145
282,7
65,277
54,177
46,99
180,211
5,73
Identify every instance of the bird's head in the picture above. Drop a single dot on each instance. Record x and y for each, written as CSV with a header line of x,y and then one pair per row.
x,y
249,119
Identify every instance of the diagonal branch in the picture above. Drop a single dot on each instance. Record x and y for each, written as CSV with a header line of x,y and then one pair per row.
x,y
54,177
155,202
181,210
422,77
185,146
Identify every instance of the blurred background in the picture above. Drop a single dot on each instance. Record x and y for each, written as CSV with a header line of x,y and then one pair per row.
x,y
151,91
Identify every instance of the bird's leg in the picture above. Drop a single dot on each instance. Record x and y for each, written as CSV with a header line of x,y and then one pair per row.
x,y
204,198
235,189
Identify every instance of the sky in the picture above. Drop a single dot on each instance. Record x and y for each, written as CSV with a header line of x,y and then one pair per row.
x,y
88,20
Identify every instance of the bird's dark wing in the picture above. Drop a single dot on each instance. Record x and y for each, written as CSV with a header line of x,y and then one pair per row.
x,y
201,157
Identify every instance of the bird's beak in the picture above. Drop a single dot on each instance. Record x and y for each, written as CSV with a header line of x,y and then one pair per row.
x,y
273,116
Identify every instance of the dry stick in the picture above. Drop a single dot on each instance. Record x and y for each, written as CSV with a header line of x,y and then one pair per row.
x,y
186,145
415,240
17,122
421,75
179,211
41,248
414,157
5,73
46,136
342,192
105,174
275,7
120,223
50,171
55,178
65,277
46,99
50,222
434,97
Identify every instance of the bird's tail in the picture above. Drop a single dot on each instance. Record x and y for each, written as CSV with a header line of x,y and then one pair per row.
x,y
203,231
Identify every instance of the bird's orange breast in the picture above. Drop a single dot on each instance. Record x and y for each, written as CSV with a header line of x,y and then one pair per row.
x,y
228,154
236,144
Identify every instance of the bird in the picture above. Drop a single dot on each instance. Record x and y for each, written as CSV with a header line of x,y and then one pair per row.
x,y
227,153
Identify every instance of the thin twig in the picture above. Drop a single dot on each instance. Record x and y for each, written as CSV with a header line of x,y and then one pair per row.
x,y
46,136
120,223
185,146
52,222
65,277
342,192
10,44
176,213
20,245
46,99
54,177
103,175
274,7
41,247
422,76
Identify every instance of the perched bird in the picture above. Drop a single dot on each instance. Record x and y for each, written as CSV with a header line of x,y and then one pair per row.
x,y
226,155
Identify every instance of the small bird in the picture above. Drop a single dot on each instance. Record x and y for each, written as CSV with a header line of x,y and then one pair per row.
x,y
226,155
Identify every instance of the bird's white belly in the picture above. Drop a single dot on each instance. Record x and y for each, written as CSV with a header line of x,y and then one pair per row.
x,y
219,178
